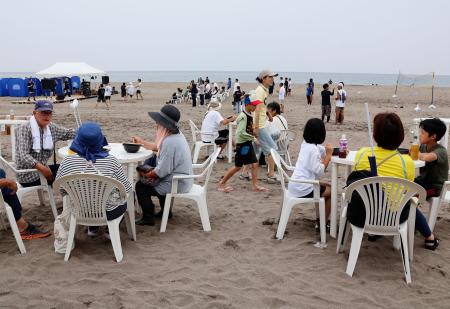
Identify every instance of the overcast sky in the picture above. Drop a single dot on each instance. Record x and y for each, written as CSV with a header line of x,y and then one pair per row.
x,y
363,36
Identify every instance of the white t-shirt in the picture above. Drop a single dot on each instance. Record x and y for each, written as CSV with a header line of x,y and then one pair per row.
x,y
282,94
308,167
138,87
290,84
207,88
236,84
108,91
130,89
278,123
211,124
339,103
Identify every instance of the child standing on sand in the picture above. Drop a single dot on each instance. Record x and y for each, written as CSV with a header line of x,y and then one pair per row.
x,y
326,102
245,154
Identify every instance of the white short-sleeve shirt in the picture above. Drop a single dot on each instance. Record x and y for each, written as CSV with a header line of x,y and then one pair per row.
x,y
211,124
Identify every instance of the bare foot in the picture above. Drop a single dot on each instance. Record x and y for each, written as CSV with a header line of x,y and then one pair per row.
x,y
260,189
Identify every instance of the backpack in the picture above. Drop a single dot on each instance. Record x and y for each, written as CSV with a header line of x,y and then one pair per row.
x,y
343,96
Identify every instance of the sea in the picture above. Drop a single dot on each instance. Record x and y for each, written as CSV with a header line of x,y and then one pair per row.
x,y
248,76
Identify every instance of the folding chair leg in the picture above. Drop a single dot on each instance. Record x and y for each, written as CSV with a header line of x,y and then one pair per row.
x,y
203,210
357,235
70,239
114,234
323,230
167,205
15,229
405,255
284,217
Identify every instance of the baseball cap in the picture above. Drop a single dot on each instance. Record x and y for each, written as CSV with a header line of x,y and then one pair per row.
x,y
266,73
43,105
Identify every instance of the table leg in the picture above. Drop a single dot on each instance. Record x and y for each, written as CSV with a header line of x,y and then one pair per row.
x,y
131,227
230,142
445,143
333,214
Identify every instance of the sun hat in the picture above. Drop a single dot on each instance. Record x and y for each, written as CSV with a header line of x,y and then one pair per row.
x,y
265,73
214,105
168,117
89,142
43,105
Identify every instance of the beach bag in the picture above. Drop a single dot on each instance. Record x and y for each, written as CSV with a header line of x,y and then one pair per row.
x,y
61,231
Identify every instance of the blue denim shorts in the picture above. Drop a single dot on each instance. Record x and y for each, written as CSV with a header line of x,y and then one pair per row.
x,y
265,143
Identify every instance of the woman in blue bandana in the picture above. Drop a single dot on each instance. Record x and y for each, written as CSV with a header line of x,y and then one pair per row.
x,y
91,157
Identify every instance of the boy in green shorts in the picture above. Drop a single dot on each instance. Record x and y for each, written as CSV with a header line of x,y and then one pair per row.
x,y
245,154
435,172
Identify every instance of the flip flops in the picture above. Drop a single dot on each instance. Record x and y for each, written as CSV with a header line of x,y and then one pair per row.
x,y
32,232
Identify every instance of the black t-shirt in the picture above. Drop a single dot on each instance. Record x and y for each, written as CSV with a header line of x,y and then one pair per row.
x,y
66,85
30,86
101,92
326,94
237,95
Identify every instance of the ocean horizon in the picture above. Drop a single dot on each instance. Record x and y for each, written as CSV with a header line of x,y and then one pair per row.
x,y
249,76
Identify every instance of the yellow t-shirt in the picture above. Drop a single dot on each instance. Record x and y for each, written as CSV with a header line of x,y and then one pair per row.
x,y
261,94
393,167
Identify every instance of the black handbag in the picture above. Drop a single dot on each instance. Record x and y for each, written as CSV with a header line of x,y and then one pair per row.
x,y
54,167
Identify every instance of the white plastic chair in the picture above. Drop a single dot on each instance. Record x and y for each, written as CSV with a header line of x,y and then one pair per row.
x,y
289,201
286,137
88,194
198,144
22,191
197,193
435,204
384,199
12,224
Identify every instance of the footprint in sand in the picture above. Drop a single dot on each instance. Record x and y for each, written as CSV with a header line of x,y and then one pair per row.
x,y
232,244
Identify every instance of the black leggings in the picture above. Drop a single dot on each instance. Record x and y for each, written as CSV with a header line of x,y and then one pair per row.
x,y
144,195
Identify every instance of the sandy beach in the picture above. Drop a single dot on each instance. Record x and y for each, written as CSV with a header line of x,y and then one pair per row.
x,y
238,264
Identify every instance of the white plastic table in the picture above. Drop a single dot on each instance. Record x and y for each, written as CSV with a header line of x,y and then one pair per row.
x,y
13,123
125,158
347,163
444,141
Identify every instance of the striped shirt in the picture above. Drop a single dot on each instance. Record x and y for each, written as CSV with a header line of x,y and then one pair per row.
x,y
109,167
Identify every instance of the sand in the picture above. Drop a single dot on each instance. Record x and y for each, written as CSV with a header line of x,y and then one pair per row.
x,y
238,264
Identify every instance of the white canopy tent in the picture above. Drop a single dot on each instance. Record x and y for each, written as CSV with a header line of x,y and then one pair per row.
x,y
80,69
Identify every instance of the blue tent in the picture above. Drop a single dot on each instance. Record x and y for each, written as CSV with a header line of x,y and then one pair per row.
x,y
75,82
17,87
37,86
4,92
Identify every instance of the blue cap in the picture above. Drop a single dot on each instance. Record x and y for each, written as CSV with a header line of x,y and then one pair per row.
x,y
43,105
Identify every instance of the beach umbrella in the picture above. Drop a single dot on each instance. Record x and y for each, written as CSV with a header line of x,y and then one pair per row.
x,y
372,159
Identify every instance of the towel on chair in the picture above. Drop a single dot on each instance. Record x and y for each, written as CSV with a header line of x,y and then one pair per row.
x,y
36,135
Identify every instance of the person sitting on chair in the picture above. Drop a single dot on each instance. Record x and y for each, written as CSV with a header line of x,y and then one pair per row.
x,y
36,144
173,157
27,230
91,157
388,133
210,126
